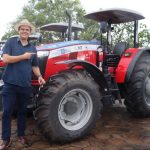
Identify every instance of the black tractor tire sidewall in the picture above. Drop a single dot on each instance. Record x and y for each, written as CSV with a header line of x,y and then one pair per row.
x,y
135,101
58,132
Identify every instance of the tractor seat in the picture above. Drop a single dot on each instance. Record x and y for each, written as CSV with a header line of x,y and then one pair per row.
x,y
120,47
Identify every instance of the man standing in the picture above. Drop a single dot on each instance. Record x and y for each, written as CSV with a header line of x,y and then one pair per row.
x,y
21,59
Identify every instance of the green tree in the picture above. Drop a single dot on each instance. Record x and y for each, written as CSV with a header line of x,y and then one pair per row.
x,y
91,30
124,32
144,36
42,12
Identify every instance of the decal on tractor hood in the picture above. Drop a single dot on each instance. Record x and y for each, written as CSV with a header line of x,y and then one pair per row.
x,y
71,49
67,43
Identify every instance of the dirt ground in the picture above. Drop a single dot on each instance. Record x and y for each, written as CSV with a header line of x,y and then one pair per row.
x,y
116,130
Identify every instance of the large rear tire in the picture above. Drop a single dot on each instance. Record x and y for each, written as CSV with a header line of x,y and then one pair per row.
x,y
138,88
68,106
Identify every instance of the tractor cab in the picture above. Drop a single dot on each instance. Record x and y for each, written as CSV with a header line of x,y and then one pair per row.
x,y
107,18
116,63
63,29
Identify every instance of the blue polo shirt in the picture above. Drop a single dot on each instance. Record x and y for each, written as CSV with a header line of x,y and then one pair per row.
x,y
19,73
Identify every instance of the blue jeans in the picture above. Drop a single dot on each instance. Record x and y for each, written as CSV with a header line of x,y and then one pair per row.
x,y
13,96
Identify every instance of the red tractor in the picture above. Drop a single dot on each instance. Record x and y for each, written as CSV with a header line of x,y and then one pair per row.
x,y
83,76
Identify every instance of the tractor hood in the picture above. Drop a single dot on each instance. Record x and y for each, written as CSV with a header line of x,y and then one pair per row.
x,y
61,48
52,46
115,15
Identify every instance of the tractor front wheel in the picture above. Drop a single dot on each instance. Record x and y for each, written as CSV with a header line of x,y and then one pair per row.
x,y
138,88
68,106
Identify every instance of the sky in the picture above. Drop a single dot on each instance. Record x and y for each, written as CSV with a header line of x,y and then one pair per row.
x,y
10,9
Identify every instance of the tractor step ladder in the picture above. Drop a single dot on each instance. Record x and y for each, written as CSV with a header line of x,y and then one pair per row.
x,y
111,81
116,89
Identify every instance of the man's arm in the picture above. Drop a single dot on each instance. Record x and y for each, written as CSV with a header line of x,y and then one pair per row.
x,y
37,73
13,59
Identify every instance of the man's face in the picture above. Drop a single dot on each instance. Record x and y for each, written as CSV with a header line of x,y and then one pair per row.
x,y
24,31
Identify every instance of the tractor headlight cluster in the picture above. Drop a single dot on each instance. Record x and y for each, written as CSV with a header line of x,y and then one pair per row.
x,y
42,53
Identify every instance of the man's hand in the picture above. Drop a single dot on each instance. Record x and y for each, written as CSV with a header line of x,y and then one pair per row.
x,y
41,80
28,55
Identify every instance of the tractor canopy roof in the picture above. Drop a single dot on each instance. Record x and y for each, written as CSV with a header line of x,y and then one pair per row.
x,y
115,15
61,27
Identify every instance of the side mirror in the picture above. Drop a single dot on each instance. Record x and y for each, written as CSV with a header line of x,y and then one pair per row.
x,y
103,26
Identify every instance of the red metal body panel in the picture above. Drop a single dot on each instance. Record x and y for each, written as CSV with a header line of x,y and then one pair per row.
x,y
86,52
52,68
124,64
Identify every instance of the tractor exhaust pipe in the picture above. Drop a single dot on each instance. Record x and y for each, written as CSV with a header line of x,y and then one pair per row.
x,y
69,25
136,41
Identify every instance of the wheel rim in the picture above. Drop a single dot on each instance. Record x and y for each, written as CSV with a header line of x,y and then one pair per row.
x,y
75,109
147,90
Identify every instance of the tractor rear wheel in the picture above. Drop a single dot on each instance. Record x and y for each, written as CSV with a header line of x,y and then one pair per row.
x,y
138,88
68,106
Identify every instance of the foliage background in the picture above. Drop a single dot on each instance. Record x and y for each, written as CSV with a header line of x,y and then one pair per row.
x,y
41,12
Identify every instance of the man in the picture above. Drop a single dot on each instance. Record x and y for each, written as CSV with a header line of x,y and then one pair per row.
x,y
21,59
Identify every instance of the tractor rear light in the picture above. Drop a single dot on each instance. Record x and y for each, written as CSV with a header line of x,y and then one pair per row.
x,y
127,54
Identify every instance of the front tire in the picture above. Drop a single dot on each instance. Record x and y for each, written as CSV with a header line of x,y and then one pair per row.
x,y
69,106
138,88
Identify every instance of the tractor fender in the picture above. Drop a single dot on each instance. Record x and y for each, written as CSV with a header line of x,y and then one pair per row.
x,y
92,69
134,61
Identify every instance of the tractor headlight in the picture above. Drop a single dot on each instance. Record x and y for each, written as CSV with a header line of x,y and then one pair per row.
x,y
42,53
